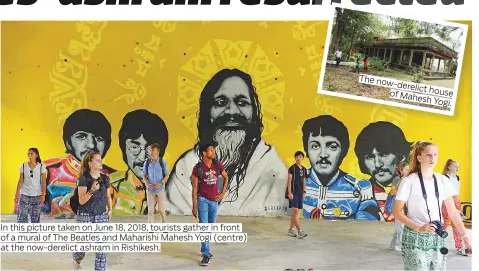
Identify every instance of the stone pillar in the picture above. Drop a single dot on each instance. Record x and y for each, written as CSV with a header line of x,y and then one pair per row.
x,y
438,64
400,58
423,59
410,57
385,51
391,54
432,62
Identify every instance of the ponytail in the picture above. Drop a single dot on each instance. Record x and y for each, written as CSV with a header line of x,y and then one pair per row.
x,y
418,148
35,150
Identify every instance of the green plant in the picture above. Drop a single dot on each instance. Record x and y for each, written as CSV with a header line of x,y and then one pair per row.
x,y
453,69
378,64
356,56
418,75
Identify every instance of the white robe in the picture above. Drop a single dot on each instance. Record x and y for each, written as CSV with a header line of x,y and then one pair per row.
x,y
261,194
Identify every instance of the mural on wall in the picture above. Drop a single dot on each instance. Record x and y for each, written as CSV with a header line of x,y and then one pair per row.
x,y
251,87
84,130
380,147
332,193
139,129
230,115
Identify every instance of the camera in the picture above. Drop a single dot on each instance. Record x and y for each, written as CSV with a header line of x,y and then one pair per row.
x,y
439,229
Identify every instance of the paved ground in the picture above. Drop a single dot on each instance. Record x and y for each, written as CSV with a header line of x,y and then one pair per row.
x,y
331,245
445,83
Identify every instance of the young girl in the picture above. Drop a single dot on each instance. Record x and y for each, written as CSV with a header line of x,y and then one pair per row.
x,y
450,171
424,192
366,63
401,170
93,202
32,188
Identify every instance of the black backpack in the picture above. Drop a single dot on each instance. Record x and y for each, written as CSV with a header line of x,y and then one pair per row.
x,y
450,177
75,200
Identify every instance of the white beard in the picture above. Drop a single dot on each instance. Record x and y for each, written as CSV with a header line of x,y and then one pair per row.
x,y
229,144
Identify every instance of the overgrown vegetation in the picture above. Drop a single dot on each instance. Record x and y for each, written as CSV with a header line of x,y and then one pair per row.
x,y
418,75
350,27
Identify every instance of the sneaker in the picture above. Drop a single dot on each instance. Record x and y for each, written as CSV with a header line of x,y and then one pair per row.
x,y
76,266
301,234
397,249
205,261
461,251
211,255
292,233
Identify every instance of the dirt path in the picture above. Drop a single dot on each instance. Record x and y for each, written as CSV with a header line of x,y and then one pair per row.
x,y
343,80
448,83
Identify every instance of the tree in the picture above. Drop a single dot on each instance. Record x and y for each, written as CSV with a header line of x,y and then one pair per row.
x,y
352,26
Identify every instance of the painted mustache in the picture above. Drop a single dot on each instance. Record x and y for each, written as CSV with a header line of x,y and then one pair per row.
x,y
228,120
381,170
323,161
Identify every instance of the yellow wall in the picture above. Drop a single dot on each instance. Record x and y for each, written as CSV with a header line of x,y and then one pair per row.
x,y
290,52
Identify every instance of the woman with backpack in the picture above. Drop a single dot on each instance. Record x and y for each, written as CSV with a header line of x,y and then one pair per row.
x,y
93,192
450,171
31,187
401,170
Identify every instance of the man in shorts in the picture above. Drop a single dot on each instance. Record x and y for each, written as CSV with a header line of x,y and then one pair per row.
x,y
296,190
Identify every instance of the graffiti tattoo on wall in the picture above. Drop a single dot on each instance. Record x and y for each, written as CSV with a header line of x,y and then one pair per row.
x,y
467,211
139,129
230,115
330,192
380,147
84,130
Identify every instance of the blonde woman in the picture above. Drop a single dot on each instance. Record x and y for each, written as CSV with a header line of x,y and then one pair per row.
x,y
94,196
424,192
450,171
401,171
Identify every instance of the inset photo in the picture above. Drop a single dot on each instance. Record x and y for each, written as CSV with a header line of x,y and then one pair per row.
x,y
394,61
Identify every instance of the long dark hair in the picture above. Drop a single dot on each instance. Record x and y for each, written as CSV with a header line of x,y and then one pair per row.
x,y
35,150
206,128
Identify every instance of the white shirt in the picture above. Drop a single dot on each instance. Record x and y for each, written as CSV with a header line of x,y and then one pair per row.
x,y
338,54
31,186
454,182
410,192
